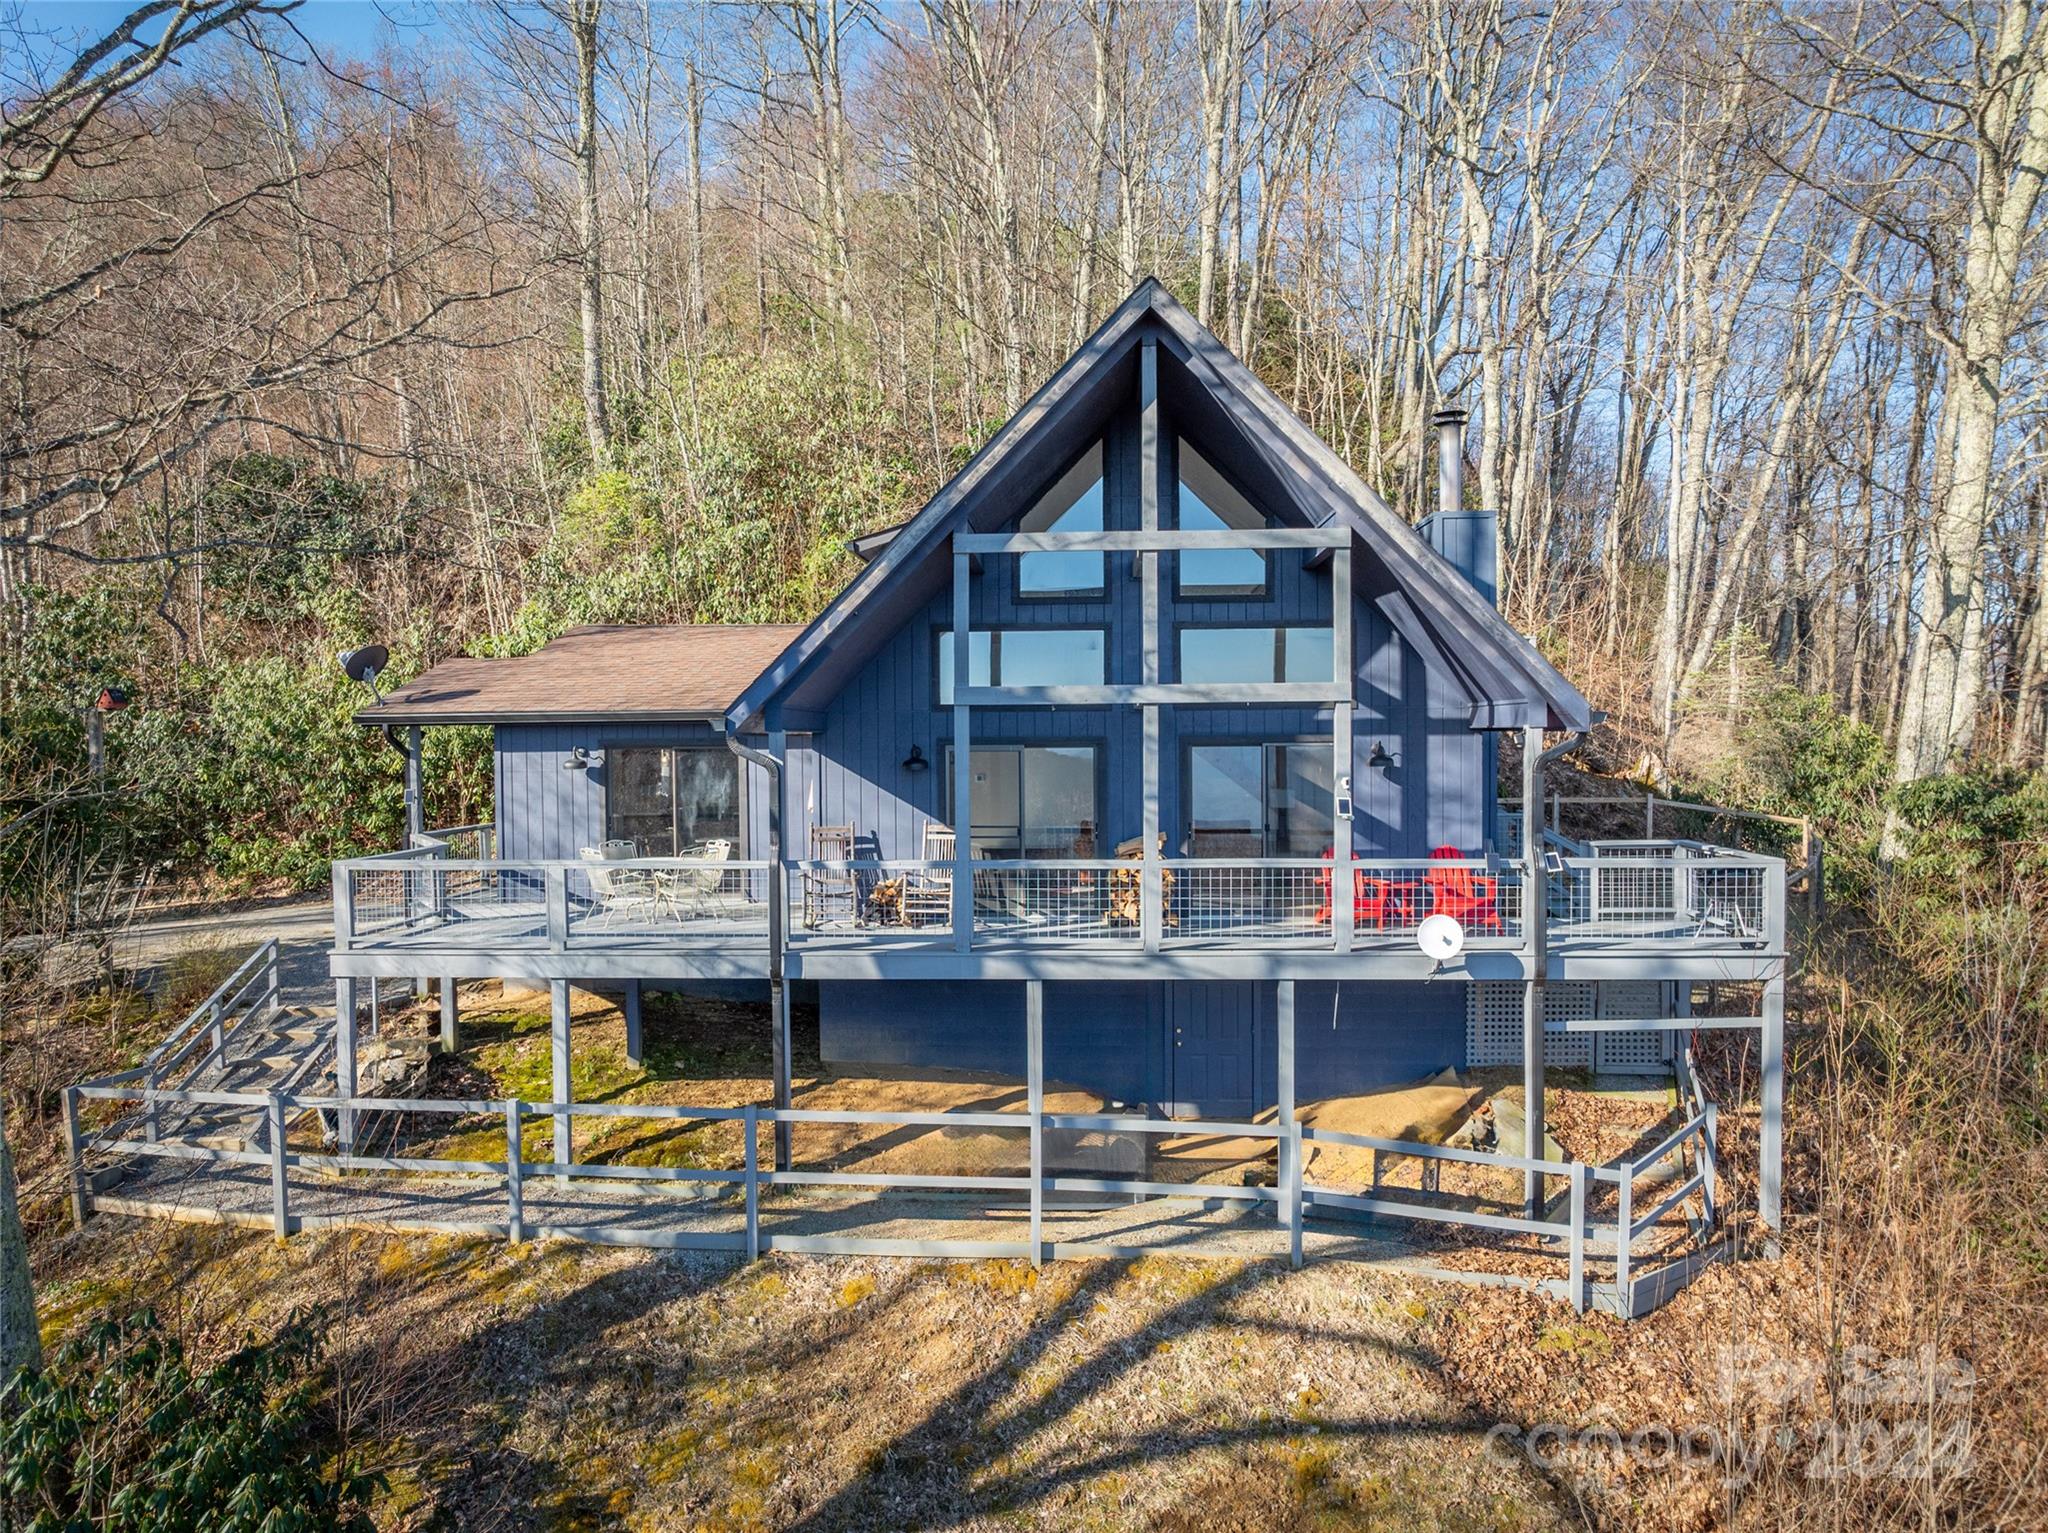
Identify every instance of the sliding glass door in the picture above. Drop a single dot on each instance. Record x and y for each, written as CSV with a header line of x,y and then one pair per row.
x,y
669,800
1259,799
1031,800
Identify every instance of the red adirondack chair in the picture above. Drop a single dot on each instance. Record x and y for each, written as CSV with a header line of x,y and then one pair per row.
x,y
1371,898
1472,899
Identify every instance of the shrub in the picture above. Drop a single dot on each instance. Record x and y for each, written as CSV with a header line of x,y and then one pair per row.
x,y
123,1432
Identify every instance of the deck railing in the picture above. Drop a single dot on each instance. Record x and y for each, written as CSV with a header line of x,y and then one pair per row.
x,y
447,1199
1248,902
1625,895
424,899
1669,892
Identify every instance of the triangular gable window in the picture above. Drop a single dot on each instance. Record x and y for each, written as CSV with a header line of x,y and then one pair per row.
x,y
1209,503
1073,504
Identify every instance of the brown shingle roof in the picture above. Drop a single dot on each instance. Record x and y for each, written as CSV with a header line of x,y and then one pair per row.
x,y
680,671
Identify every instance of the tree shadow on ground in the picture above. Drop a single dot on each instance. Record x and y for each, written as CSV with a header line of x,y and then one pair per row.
x,y
919,1476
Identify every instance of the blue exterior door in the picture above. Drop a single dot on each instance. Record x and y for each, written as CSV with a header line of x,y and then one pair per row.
x,y
1213,1036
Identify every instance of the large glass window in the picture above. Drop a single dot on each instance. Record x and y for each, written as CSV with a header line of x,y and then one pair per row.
x,y
1209,503
1024,657
1074,504
1259,800
1030,800
669,800
1255,654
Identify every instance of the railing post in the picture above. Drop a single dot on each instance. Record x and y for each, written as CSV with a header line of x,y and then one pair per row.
x,y
1580,1171
1710,1156
1650,818
219,1035
1293,1193
556,882
152,1110
74,1149
753,1163
1034,1087
1624,1240
280,1213
515,1175
344,915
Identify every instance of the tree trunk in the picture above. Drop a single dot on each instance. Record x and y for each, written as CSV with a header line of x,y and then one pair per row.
x,y
21,1344
596,411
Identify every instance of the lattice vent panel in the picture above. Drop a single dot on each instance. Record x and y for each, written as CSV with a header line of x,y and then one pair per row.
x,y
1493,1024
1642,1050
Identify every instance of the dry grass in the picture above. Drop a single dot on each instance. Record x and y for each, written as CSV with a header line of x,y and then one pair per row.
x,y
569,1387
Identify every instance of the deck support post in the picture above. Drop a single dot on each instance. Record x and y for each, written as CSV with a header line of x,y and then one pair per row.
x,y
1034,1094
1288,1155
1771,1141
416,812
635,1054
345,1063
1537,943
450,1013
778,1007
515,1172
558,1018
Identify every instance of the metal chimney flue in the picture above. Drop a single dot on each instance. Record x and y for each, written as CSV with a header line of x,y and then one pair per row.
x,y
1450,464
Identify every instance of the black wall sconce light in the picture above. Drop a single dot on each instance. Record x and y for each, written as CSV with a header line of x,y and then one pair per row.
x,y
915,761
1379,756
581,760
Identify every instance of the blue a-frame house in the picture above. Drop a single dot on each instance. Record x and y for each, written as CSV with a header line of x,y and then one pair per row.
x,y
1145,748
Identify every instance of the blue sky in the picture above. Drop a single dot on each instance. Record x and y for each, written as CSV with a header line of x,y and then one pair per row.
x,y
339,28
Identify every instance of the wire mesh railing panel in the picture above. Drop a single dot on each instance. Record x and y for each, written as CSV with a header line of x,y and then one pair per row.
x,y
1663,894
877,897
1255,901
400,901
1392,899
671,897
1069,900
436,901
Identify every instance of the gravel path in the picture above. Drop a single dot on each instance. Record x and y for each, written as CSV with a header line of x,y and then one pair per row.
x,y
303,928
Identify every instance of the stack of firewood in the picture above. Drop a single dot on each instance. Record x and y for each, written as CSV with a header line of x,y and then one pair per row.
x,y
1126,886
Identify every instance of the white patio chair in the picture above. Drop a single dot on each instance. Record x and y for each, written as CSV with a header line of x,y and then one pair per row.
x,y
621,893
694,893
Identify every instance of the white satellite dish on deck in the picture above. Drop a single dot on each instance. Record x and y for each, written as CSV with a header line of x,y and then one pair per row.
x,y
1440,937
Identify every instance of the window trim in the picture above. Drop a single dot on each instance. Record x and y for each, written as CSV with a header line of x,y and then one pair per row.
x,y
943,635
1097,748
1249,624
1263,743
741,800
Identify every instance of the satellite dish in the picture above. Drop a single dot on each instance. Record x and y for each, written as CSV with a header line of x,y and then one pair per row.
x,y
1440,937
365,664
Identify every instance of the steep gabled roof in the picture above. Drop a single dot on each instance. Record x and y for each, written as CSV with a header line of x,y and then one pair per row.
x,y
1432,606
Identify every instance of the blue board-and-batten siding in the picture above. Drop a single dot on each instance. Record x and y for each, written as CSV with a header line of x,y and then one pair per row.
x,y
1120,1040
545,811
